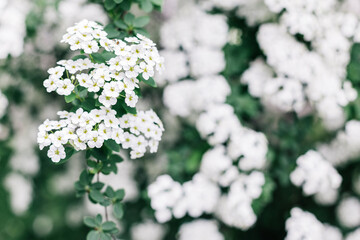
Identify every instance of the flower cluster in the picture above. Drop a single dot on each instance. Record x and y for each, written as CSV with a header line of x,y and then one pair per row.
x,y
13,27
294,90
84,130
304,225
200,229
235,208
194,197
315,174
234,148
117,77
147,231
185,97
345,147
193,40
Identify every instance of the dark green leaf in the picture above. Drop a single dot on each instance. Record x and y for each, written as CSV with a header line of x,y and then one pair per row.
x,y
141,21
120,194
127,108
150,82
96,196
109,192
125,5
157,2
84,177
118,1
97,185
116,158
88,104
99,153
111,144
109,4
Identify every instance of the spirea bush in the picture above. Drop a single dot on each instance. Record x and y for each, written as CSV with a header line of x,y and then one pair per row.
x,y
103,85
259,100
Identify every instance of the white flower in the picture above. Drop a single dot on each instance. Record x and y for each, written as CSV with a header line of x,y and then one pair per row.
x,y
200,229
90,47
107,101
315,174
51,84
56,153
65,87
131,99
95,140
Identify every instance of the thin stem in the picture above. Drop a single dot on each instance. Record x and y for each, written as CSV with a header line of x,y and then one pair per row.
x,y
106,214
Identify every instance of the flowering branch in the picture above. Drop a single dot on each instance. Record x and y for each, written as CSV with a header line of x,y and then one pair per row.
x,y
102,83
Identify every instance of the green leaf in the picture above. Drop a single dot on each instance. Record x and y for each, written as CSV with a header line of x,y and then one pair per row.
x,y
121,24
120,194
90,222
127,108
79,57
157,2
151,82
125,5
98,219
103,57
141,21
97,185
109,192
79,186
84,178
105,236
116,158
118,210
108,55
111,144
91,163
111,30
141,31
88,104
146,5
109,4
99,153
108,226
96,196
118,1
70,98
83,93
129,18
93,235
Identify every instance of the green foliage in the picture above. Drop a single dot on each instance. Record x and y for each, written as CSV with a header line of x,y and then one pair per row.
x,y
102,230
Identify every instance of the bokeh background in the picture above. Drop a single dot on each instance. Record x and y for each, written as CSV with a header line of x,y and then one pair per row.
x,y
260,104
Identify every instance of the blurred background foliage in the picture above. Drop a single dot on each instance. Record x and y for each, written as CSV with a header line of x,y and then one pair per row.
x,y
48,214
